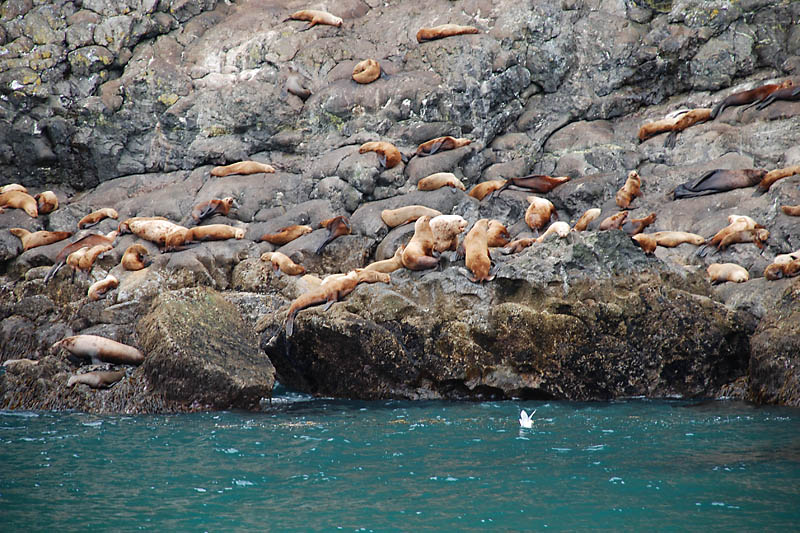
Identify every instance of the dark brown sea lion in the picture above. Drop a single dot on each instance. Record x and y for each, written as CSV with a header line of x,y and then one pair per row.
x,y
388,154
336,226
38,238
286,234
789,94
719,180
538,183
440,144
209,208
314,17
444,30
753,96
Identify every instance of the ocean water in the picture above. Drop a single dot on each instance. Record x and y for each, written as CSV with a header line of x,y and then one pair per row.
x,y
313,464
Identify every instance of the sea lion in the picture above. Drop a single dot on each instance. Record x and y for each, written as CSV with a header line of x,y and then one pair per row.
x,y
98,289
404,215
418,254
439,180
388,154
789,94
366,71
38,238
212,232
285,235
389,265
124,226
483,189
13,187
46,202
630,190
476,245
100,350
296,84
632,226
587,218
646,242
787,269
84,242
336,226
671,239
87,259
614,221
98,379
444,30
722,272
242,167
20,200
282,263
739,229
753,96
786,258
135,258
718,180
559,228
440,144
516,246
209,208
774,175
446,229
757,236
791,210
539,212
497,234
690,118
153,229
96,216
314,17
538,183
74,260
651,129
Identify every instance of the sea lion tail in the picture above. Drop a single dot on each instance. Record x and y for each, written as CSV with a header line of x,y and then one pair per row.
x,y
669,142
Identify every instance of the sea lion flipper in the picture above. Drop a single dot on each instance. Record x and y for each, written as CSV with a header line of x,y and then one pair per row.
x,y
310,25
382,161
289,325
435,147
328,304
669,142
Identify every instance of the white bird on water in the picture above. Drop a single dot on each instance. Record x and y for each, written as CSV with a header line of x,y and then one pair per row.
x,y
525,419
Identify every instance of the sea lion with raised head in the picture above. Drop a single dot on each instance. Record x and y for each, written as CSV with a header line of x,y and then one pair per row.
x,y
336,226
753,96
20,200
38,238
440,144
719,180
774,175
632,226
242,167
286,234
98,289
388,154
614,221
586,218
722,272
136,257
439,180
282,263
477,257
213,232
444,30
100,350
97,379
740,228
558,228
388,265
446,229
84,242
539,212
84,258
418,254
630,190
497,234
314,17
406,214
46,202
485,188
209,208
367,71
538,183
96,216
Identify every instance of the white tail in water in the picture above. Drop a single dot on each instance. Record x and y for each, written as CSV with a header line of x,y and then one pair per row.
x,y
525,419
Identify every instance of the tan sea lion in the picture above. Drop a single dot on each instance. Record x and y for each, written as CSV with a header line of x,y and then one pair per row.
x,y
38,238
282,263
477,258
20,200
444,30
46,202
96,216
336,226
516,246
366,71
388,154
539,212
213,232
740,229
100,350
632,226
87,259
209,208
559,228
153,229
671,239
483,189
124,226
13,187
719,180
753,96
440,144
135,258
688,119
98,379
388,265
630,190
296,84
722,272
646,242
782,270
774,175
446,229
74,259
586,218
439,180
791,210
538,183
98,289
84,242
497,234
781,259
674,123
614,221
327,293
418,254
285,235
314,17
242,167
404,215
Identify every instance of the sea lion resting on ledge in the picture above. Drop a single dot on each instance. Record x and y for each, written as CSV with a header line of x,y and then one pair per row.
x,y
444,30
98,379
314,17
46,202
135,258
719,180
539,212
674,122
367,71
213,232
38,238
439,180
587,218
774,175
388,154
84,242
440,144
740,229
282,263
96,216
404,215
98,289
538,183
485,188
20,200
286,234
559,228
100,350
388,266
721,272
209,208
630,190
477,258
336,226
242,167
757,95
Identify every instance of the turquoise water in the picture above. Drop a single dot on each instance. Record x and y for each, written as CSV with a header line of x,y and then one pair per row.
x,y
321,464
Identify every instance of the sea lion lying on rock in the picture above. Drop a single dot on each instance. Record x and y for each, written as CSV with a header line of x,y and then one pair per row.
x,y
719,180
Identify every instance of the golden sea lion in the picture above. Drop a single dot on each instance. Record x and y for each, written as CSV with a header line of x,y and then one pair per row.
x,y
483,189
285,235
20,200
671,239
388,265
719,180
439,180
84,242
646,242
444,30
13,187
96,216
614,221
282,263
446,229
242,167
366,71
135,258
209,208
86,260
314,17
782,270
388,154
38,238
516,246
774,175
740,229
213,232
336,226
674,123
124,226
630,190
98,379
418,254
632,226
753,96
153,229
688,119
539,212
404,215
559,228
476,246
98,289
587,218
46,202
791,210
440,144
786,258
722,272
497,234
100,350
538,183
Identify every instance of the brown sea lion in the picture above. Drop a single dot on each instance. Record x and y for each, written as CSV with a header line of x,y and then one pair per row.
x,y
671,239
757,236
38,238
74,260
388,265
336,226
100,350
444,30
719,180
789,94
84,242
646,242
722,272
690,118
98,289
96,216
418,254
296,84
136,257
439,180
497,234
516,246
558,228
791,210
665,124
209,208
753,96
632,226
285,235
282,263
440,144
483,189
476,245
787,269
212,232
13,187
20,200
388,154
97,379
630,190
587,218
614,221
739,229
367,71
538,183
406,214
774,175
46,202
446,229
539,212
314,17
242,167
